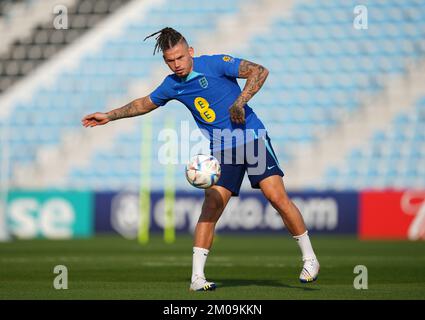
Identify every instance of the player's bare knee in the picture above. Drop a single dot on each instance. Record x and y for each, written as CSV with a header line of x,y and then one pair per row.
x,y
211,211
279,202
211,207
213,200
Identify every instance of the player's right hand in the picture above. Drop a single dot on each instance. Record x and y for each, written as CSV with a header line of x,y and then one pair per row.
x,y
95,119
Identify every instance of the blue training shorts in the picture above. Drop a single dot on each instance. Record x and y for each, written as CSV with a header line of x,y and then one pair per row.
x,y
257,158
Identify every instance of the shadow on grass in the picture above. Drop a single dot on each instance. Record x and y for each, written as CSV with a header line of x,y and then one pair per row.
x,y
263,283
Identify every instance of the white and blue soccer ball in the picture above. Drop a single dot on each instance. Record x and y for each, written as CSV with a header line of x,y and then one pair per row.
x,y
203,171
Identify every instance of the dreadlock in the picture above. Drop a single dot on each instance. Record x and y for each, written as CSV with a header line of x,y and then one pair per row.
x,y
166,39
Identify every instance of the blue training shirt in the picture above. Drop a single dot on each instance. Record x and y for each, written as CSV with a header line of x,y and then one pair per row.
x,y
208,92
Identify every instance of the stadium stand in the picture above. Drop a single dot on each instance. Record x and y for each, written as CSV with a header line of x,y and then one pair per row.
x,y
391,158
322,69
26,54
7,6
57,109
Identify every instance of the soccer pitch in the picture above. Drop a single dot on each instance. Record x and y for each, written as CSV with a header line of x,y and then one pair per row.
x,y
263,267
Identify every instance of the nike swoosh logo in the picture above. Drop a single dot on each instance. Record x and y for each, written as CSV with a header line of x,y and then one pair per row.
x,y
268,168
179,91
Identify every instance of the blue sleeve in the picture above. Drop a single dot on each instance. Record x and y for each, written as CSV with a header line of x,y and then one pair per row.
x,y
226,65
161,95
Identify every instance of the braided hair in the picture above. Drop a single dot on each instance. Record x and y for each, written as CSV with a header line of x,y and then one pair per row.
x,y
166,39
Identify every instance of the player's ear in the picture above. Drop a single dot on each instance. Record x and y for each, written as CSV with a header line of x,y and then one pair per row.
x,y
191,52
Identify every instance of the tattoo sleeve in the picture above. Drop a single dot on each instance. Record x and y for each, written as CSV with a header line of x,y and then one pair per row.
x,y
135,108
256,75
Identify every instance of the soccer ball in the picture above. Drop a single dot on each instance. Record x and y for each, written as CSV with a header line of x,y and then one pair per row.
x,y
203,171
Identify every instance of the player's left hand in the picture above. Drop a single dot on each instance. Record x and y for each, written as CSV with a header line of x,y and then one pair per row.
x,y
237,114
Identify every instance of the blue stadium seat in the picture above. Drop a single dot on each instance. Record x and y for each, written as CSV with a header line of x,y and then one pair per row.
x,y
319,67
395,157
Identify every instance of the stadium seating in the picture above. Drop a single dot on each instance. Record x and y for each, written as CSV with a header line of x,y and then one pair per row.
x,y
321,69
45,41
7,6
394,158
99,77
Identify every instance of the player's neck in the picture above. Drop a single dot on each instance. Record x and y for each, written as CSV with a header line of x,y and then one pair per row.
x,y
183,79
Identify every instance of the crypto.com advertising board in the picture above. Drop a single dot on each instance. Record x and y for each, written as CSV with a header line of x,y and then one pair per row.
x,y
323,212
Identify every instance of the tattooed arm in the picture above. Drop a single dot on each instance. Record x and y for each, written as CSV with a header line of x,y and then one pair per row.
x,y
135,108
256,75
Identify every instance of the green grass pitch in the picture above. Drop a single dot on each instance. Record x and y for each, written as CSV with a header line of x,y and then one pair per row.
x,y
262,267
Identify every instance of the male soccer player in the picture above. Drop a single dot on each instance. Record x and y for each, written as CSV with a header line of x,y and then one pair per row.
x,y
207,86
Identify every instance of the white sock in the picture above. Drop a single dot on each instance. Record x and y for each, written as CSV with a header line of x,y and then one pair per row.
x,y
200,256
303,241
